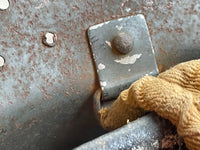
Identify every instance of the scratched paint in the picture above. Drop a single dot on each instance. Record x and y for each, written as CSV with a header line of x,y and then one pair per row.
x,y
128,59
42,5
123,3
101,66
108,43
128,9
103,83
119,27
99,25
120,19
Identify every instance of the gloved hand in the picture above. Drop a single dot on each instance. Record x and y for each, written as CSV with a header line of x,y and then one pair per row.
x,y
174,95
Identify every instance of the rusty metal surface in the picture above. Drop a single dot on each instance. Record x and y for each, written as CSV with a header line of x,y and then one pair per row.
x,y
43,90
45,93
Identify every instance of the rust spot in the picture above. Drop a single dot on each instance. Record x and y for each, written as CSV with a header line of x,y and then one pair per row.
x,y
18,126
4,44
163,52
192,7
31,48
3,131
33,122
169,30
165,21
10,102
19,53
20,81
43,90
181,22
32,57
51,84
30,23
36,134
78,92
55,90
75,7
43,77
160,68
46,95
66,93
169,5
31,78
3,77
26,94
179,30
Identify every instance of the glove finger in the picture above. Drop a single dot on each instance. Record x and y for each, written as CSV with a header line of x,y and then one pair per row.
x,y
186,75
167,99
122,111
189,124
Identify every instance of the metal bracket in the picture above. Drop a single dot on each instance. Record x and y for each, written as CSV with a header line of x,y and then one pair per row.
x,y
117,71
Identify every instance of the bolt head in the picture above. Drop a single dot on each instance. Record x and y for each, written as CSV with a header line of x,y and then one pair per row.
x,y
123,42
49,39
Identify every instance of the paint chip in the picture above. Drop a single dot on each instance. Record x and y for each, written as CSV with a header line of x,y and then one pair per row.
x,y
128,59
119,27
103,83
109,44
101,66
128,9
98,25
127,121
151,72
42,5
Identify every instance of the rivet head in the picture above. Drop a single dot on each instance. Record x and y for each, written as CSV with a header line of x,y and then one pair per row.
x,y
4,4
2,61
49,39
123,42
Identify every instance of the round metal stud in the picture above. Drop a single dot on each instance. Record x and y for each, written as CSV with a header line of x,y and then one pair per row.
x,y
49,39
123,42
4,4
2,62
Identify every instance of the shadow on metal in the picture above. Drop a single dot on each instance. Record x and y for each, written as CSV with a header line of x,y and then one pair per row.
x,y
84,128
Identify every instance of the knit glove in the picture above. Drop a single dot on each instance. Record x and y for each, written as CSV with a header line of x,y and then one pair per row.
x,y
174,95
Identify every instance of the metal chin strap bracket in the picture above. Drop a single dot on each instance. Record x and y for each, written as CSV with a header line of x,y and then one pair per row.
x,y
122,52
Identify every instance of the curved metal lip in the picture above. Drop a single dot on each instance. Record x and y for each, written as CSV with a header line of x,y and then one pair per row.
x,y
97,102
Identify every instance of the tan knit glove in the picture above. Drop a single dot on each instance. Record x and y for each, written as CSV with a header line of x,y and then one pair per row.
x,y
174,95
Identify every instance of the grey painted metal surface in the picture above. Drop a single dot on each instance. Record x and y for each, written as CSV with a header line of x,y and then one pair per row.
x,y
46,93
117,72
145,133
